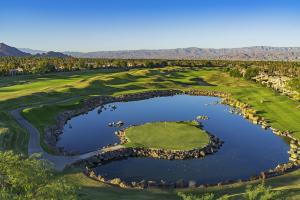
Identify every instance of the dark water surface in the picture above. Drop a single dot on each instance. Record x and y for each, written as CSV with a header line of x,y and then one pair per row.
x,y
248,149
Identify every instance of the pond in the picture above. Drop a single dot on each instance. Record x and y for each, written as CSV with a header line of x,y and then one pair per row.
x,y
248,149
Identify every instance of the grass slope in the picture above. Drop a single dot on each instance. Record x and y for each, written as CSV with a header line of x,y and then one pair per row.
x,y
167,135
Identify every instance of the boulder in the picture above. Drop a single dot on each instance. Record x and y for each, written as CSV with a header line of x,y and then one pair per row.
x,y
124,185
293,146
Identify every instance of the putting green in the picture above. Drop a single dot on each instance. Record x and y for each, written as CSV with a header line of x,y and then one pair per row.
x,y
167,135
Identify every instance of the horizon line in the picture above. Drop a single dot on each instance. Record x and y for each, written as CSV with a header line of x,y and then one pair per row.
x,y
154,49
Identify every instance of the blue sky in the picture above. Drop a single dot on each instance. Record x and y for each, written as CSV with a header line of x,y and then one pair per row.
x,y
90,25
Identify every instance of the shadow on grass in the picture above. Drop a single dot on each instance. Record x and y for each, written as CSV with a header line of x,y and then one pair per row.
x,y
201,82
99,87
31,78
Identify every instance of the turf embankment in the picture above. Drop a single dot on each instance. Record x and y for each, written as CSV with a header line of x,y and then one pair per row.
x,y
288,185
43,92
167,135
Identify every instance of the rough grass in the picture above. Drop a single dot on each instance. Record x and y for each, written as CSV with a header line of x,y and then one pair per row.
x,y
167,135
12,136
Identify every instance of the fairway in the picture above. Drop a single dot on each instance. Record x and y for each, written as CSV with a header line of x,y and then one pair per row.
x,y
167,135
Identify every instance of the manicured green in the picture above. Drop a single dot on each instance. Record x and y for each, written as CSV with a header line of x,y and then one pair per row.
x,y
167,135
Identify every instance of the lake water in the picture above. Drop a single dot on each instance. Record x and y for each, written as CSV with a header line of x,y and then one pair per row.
x,y
248,149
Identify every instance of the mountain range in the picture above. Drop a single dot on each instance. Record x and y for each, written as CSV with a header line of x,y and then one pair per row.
x,y
244,53
6,50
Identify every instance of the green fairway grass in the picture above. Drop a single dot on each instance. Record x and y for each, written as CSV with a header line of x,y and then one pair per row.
x,y
49,94
167,135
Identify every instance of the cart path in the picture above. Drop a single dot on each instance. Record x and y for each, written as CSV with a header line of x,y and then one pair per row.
x,y
59,162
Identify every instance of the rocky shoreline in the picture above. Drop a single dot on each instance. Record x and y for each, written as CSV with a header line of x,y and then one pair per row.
x,y
104,158
53,132
278,83
212,147
124,153
143,184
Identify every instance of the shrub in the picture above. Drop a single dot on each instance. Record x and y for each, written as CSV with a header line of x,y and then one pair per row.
x,y
234,72
30,178
251,72
260,192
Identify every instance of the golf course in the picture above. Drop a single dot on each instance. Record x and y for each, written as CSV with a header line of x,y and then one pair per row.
x,y
150,100
43,97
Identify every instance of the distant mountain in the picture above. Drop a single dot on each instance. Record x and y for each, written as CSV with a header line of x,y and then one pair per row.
x,y
52,54
41,53
245,53
31,51
6,50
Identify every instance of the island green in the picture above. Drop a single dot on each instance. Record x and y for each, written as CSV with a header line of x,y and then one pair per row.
x,y
167,135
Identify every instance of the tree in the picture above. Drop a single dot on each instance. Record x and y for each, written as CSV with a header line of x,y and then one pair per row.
x,y
251,72
235,72
43,67
30,178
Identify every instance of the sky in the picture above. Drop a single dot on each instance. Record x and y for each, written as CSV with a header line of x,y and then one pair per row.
x,y
95,25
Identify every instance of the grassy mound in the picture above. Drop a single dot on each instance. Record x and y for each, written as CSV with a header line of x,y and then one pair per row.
x,y
167,135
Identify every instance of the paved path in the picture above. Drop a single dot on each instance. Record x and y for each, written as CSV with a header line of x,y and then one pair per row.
x,y
59,162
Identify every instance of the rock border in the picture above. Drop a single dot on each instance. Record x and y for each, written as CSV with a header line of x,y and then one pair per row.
x,y
125,153
53,132
212,147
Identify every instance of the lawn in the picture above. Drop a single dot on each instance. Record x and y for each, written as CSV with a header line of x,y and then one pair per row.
x,y
167,135
47,95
